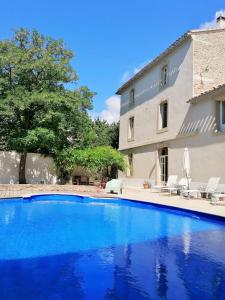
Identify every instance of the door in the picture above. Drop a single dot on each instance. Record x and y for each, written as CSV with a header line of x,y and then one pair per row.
x,y
163,162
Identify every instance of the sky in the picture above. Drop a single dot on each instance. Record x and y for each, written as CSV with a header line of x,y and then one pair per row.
x,y
111,40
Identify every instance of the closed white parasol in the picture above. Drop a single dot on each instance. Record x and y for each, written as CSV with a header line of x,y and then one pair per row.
x,y
187,165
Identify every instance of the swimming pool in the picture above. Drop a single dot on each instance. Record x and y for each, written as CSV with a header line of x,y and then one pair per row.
x,y
71,247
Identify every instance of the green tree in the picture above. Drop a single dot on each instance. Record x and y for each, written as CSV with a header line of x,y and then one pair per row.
x,y
97,161
114,135
37,112
102,131
107,134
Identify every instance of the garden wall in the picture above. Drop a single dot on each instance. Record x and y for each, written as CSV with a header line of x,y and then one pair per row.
x,y
39,169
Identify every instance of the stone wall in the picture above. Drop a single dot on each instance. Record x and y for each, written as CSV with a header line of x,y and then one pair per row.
x,y
208,60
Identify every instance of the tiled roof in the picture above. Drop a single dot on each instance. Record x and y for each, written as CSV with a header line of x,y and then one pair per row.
x,y
178,42
210,92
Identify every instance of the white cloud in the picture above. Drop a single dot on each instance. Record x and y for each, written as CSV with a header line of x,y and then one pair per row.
x,y
130,73
112,111
212,23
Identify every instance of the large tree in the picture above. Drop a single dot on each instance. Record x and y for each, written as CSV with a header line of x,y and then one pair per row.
x,y
37,112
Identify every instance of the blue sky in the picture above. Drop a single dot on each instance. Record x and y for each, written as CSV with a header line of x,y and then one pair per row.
x,y
111,39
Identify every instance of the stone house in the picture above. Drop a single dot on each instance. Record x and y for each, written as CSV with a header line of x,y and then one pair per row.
x,y
177,101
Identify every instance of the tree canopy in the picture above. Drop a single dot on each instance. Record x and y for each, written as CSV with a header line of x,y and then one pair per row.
x,y
107,134
96,160
38,113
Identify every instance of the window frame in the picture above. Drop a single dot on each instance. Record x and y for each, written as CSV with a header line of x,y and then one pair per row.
x,y
161,112
164,79
130,129
221,112
131,164
132,97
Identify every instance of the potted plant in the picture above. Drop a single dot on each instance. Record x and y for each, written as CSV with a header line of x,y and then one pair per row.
x,y
222,198
146,185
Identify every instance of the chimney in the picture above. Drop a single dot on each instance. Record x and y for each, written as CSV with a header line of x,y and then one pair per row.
x,y
220,22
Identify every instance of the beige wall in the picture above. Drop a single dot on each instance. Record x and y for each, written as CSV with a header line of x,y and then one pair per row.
x,y
198,133
38,168
143,162
207,157
208,59
207,146
148,96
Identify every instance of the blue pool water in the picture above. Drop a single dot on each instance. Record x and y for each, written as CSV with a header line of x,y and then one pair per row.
x,y
67,247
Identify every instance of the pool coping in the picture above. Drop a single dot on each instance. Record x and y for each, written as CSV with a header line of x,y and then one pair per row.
x,y
191,211
116,197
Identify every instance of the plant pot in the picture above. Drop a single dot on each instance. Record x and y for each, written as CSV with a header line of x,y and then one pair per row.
x,y
146,185
203,195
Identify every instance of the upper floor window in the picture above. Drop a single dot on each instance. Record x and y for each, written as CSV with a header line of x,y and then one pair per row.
x,y
164,76
131,97
163,115
222,116
131,129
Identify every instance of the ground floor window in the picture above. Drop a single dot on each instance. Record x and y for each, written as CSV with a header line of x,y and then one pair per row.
x,y
130,164
163,161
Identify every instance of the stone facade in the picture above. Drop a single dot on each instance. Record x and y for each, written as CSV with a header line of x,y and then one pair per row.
x,y
208,60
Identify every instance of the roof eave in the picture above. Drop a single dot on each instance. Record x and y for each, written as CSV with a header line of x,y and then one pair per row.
x,y
145,69
173,46
214,91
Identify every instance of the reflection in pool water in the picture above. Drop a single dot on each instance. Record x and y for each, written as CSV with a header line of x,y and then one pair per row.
x,y
100,249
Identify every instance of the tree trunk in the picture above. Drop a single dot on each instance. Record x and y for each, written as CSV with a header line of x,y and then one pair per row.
x,y
69,180
22,168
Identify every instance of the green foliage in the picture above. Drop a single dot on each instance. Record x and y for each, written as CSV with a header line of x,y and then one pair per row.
x,y
34,62
37,112
107,134
96,160
114,135
45,122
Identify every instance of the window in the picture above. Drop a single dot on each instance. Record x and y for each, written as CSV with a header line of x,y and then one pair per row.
x,y
131,97
130,164
163,115
164,76
131,129
222,115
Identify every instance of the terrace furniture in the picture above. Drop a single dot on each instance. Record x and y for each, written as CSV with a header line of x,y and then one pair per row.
x,y
114,186
81,180
218,198
182,185
170,183
210,189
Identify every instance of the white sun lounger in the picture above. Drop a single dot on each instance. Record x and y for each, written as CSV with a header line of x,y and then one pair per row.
x,y
170,183
215,200
210,188
182,184
114,186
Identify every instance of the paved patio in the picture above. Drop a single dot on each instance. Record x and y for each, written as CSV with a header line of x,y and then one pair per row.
x,y
200,205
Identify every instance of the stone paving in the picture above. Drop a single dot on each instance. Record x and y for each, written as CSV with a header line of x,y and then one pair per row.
x,y
200,205
20,190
